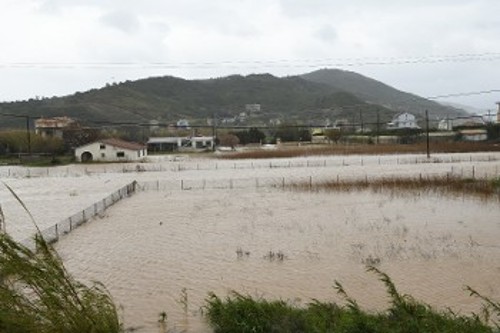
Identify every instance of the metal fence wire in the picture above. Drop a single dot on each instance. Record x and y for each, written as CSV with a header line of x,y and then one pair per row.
x,y
52,234
186,165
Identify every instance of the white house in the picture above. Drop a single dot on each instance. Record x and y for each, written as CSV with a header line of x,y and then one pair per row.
x,y
111,150
498,113
178,143
474,134
469,121
403,120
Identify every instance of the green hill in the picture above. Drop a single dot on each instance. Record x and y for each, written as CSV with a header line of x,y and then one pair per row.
x,y
373,91
310,99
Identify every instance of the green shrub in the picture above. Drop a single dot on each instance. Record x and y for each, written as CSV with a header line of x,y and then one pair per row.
x,y
238,313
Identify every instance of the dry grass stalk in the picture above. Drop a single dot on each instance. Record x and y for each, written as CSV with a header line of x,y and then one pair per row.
x,y
481,188
362,149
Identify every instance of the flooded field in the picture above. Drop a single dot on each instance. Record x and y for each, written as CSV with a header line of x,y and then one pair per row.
x,y
164,250
152,246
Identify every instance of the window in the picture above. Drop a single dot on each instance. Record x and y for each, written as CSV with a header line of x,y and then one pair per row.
x,y
102,146
120,154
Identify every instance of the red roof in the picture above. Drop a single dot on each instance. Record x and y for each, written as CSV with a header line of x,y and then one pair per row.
x,y
123,144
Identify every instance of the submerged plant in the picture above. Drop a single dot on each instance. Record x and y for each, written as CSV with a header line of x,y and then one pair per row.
x,y
38,295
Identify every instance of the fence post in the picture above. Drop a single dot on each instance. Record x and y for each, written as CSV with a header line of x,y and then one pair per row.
x,y
473,171
283,182
57,231
310,182
182,184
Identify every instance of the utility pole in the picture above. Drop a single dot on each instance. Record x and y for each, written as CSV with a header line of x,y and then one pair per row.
x,y
361,120
28,134
214,131
378,126
427,132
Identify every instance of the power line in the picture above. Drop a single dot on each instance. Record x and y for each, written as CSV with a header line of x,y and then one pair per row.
x,y
462,94
284,63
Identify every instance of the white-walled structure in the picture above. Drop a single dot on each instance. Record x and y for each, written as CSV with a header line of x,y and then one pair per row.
x,y
403,120
177,143
470,121
498,113
111,150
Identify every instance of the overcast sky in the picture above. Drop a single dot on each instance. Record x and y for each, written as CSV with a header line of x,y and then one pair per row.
x,y
427,47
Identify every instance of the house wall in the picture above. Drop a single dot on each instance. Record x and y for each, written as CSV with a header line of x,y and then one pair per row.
x,y
107,153
406,120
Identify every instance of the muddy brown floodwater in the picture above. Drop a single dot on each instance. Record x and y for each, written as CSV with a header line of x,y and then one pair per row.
x,y
150,247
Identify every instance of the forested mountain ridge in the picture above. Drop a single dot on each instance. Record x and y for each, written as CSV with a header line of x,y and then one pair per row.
x,y
373,91
313,97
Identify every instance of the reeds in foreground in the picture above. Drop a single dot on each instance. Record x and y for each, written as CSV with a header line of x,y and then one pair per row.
x,y
239,313
38,295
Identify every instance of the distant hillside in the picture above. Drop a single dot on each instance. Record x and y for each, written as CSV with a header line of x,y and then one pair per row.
x,y
310,99
373,91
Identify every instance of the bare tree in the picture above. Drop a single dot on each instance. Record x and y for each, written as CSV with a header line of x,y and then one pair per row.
x,y
228,140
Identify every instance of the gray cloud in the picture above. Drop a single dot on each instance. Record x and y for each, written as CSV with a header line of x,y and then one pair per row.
x,y
248,34
327,33
121,20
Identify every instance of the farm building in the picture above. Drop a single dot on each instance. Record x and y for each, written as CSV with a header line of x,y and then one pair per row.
x,y
161,144
111,150
478,134
403,120
54,127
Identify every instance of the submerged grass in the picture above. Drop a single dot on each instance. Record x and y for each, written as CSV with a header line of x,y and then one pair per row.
x,y
239,313
38,295
481,188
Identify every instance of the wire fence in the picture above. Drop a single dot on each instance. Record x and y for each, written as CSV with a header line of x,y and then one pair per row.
x,y
468,170
69,224
179,166
471,172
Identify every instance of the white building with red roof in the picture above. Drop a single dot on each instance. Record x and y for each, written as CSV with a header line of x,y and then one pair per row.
x,y
111,150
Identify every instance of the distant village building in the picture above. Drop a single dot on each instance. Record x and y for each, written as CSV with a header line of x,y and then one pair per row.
x,y
498,113
252,108
154,125
183,123
403,120
479,134
111,150
460,122
54,127
163,144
